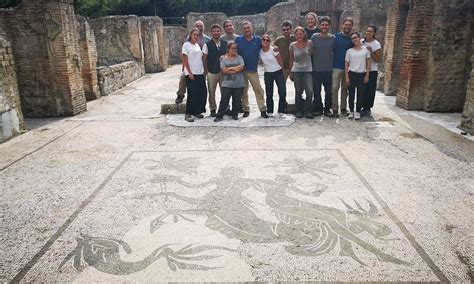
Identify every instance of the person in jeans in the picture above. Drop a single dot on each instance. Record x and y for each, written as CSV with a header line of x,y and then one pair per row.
x,y
343,43
233,82
357,73
213,50
194,74
182,80
324,45
272,63
375,50
283,43
249,48
301,69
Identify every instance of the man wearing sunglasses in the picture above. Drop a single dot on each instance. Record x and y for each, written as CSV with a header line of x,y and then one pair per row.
x,y
283,42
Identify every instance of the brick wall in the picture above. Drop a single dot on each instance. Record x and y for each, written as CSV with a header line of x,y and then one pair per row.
x,y
47,58
393,52
11,117
427,45
153,44
88,53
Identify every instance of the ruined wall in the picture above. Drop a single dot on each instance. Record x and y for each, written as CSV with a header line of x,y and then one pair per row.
x,y
11,117
153,44
449,44
88,54
277,14
114,77
257,20
120,51
118,39
47,57
426,62
393,52
467,123
207,18
175,37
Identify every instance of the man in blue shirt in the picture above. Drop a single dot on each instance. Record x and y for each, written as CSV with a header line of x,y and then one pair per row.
x,y
248,46
343,43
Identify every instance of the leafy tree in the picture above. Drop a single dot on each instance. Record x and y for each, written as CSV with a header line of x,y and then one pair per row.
x,y
9,3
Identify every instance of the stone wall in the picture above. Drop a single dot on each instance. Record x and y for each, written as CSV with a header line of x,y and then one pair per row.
x,y
114,77
426,62
467,123
258,22
153,44
11,117
47,57
118,39
88,53
207,18
175,37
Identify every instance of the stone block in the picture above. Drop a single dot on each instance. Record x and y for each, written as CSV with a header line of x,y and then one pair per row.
x,y
115,77
173,108
153,44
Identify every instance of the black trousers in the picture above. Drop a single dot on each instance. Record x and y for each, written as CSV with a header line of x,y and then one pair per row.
x,y
357,82
226,94
279,79
324,79
370,89
197,95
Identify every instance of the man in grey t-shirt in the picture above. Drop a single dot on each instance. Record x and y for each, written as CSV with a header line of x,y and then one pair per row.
x,y
324,45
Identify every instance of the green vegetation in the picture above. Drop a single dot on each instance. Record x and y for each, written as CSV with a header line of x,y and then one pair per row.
x,y
163,8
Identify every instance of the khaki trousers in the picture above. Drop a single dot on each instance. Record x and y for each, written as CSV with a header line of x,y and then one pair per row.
x,y
212,81
339,80
182,86
254,80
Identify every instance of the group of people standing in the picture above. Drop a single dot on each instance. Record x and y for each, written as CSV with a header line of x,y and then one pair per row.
x,y
312,58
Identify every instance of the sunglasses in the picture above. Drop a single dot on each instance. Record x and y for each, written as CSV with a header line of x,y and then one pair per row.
x,y
266,39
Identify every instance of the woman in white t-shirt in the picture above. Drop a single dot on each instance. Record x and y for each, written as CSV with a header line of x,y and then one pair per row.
x,y
357,73
195,79
375,50
272,64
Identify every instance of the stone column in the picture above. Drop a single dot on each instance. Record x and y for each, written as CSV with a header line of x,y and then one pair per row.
x,y
47,58
153,44
11,117
88,53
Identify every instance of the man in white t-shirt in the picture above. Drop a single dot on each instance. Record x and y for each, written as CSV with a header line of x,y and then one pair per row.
x,y
375,50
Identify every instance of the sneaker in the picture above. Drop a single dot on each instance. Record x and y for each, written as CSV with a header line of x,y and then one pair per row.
x,y
336,114
357,116
309,116
351,115
263,114
246,114
188,118
281,115
179,99
270,114
317,113
299,114
213,113
235,118
199,116
217,119
328,113
344,112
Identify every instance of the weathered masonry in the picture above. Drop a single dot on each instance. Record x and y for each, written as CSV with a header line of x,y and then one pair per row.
x,y
53,61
